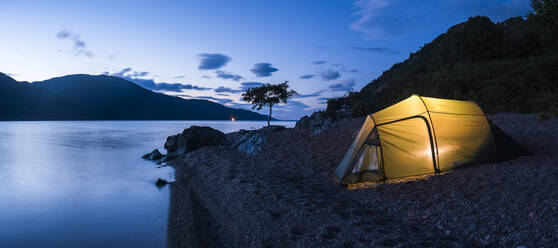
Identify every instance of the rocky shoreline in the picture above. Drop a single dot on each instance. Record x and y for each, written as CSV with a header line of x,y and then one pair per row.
x,y
280,192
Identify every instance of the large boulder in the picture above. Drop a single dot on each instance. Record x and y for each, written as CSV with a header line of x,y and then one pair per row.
x,y
251,142
317,122
193,138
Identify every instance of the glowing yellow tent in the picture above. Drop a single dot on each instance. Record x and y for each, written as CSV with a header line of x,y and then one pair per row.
x,y
423,135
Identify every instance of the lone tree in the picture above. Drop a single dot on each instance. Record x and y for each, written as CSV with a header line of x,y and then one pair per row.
x,y
268,95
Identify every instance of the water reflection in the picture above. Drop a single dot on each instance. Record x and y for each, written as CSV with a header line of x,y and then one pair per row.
x,y
84,184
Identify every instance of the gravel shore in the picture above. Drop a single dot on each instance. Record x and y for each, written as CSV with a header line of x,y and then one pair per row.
x,y
287,196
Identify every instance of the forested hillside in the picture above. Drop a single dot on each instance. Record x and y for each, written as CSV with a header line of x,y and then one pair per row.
x,y
508,66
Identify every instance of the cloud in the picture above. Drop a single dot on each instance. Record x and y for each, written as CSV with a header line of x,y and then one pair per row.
x,y
263,69
184,95
248,85
240,105
206,77
322,100
211,61
79,47
221,94
385,50
294,104
226,75
139,74
330,75
214,99
176,87
181,76
291,111
63,34
344,85
221,89
132,76
315,94
307,76
121,73
351,70
319,62
383,19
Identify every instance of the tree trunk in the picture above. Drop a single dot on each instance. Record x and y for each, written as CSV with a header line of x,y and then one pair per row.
x,y
269,117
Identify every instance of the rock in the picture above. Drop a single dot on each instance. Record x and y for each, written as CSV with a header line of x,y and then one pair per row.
x,y
193,138
344,112
271,129
252,141
161,182
234,136
326,124
304,122
154,155
317,122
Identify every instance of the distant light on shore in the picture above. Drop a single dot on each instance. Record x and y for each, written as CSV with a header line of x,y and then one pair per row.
x,y
232,118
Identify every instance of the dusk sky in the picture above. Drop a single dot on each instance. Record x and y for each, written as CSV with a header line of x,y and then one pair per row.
x,y
214,49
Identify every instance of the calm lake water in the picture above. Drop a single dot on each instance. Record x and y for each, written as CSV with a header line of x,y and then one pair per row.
x,y
84,184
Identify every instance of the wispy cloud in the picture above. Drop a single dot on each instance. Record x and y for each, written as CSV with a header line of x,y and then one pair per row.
x,y
351,70
385,50
183,95
178,77
315,94
227,75
133,76
211,61
330,75
389,19
222,89
138,74
79,46
344,85
215,99
263,69
248,85
307,76
176,87
319,62
121,73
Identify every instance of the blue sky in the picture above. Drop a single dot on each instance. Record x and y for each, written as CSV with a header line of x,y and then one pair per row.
x,y
215,49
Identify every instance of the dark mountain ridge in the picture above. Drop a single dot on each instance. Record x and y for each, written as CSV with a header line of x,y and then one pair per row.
x,y
102,97
502,66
